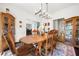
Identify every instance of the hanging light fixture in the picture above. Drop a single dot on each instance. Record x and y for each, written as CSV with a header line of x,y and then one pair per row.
x,y
43,13
47,10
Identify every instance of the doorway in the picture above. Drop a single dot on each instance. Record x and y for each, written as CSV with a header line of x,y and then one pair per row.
x,y
28,29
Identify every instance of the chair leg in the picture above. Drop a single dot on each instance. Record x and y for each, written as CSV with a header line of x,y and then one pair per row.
x,y
46,52
46,49
39,47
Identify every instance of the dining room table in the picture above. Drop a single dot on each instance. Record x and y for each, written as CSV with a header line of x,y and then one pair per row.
x,y
31,39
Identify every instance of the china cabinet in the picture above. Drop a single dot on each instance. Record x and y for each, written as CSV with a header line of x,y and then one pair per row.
x,y
7,24
72,30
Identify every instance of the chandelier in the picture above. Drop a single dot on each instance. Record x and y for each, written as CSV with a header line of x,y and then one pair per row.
x,y
43,12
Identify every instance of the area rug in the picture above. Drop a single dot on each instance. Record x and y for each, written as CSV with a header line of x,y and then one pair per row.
x,y
63,50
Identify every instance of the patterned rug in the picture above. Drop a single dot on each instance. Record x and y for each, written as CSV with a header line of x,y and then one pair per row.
x,y
63,50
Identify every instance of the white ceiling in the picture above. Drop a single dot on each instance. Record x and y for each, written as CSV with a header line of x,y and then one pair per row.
x,y
30,8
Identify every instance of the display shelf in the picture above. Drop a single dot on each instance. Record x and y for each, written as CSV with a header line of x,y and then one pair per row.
x,y
6,19
72,30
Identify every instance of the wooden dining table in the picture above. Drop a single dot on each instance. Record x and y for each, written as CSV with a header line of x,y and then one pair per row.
x,y
30,39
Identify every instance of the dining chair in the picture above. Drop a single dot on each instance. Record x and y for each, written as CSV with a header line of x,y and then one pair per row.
x,y
4,44
51,41
22,50
41,43
62,37
48,44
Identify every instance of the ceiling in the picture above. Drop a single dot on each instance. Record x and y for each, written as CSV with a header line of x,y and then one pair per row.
x,y
30,8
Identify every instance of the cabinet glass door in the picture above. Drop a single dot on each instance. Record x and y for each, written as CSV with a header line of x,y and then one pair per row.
x,y
13,26
5,29
68,29
77,41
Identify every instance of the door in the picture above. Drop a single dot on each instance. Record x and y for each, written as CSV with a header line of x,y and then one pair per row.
x,y
28,29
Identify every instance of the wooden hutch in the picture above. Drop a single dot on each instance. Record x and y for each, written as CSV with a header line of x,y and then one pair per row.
x,y
72,30
7,24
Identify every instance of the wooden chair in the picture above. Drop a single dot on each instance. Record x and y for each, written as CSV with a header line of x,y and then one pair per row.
x,y
4,44
40,44
62,37
55,37
45,44
51,41
21,50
